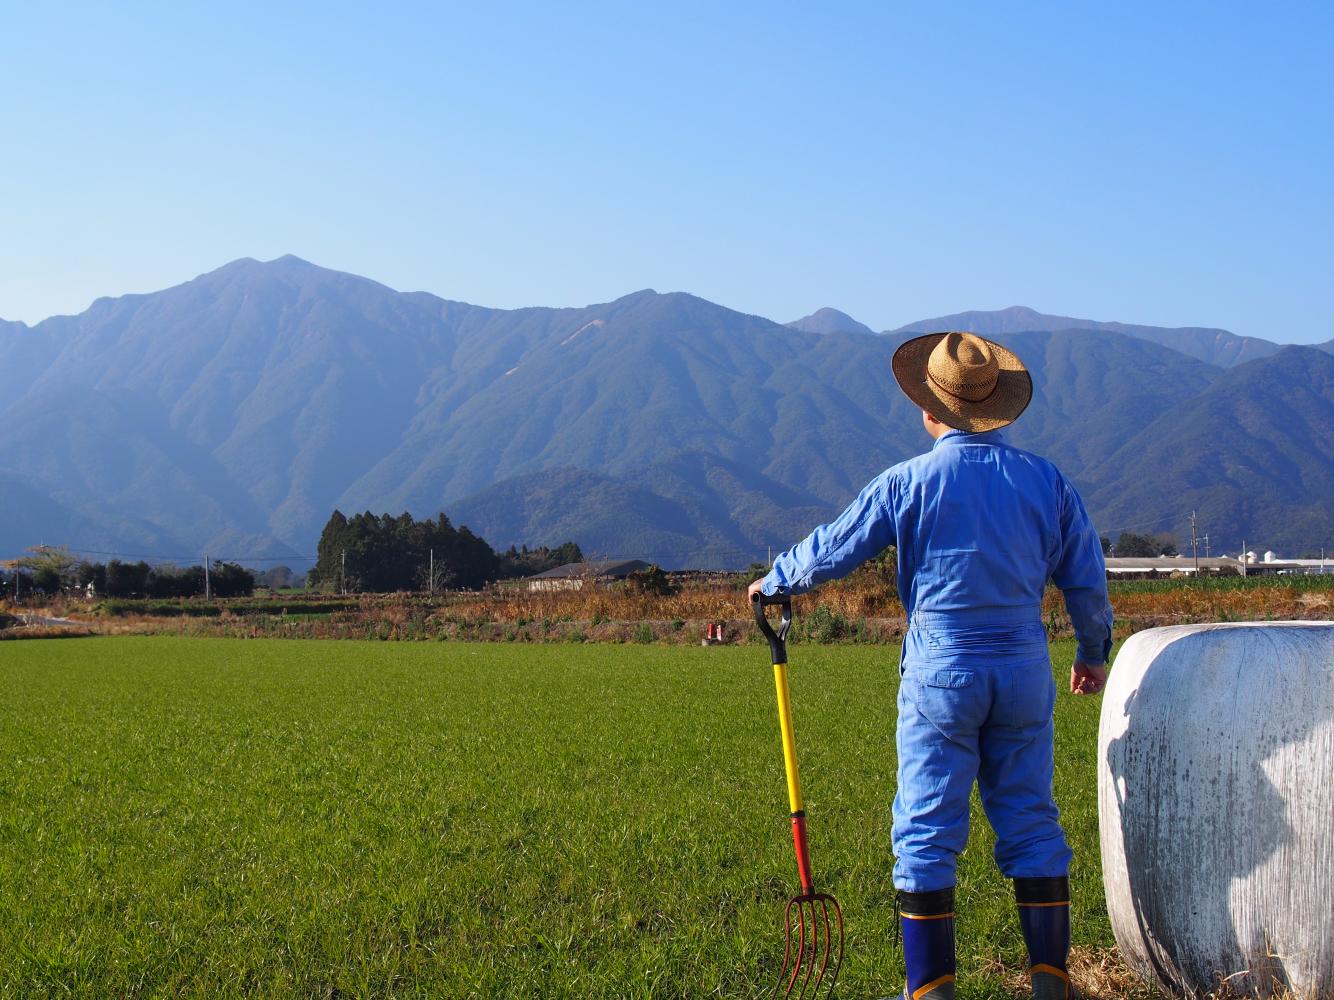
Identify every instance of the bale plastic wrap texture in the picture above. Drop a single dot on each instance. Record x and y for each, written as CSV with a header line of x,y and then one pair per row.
x,y
1216,806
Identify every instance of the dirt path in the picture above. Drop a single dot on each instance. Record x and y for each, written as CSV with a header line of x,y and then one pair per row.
x,y
52,622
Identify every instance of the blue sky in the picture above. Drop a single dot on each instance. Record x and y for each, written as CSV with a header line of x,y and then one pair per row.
x,y
1157,163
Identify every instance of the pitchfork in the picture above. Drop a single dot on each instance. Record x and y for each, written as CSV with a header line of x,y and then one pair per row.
x,y
815,951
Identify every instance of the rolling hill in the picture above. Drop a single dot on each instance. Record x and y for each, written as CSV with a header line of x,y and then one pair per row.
x,y
1251,452
692,510
829,320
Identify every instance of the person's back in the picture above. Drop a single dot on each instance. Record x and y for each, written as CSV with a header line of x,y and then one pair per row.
x,y
980,525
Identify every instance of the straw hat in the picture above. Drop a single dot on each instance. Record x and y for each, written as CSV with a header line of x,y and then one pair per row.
x,y
963,380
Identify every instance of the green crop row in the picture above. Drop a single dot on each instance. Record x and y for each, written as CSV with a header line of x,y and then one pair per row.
x,y
1299,583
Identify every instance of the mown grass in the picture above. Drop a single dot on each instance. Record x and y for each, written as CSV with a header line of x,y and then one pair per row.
x,y
212,818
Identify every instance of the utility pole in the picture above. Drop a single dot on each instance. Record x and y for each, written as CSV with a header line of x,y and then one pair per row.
x,y
430,575
1194,544
1206,545
342,575
208,585
1243,557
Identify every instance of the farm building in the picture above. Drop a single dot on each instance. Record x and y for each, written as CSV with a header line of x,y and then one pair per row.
x,y
1288,567
1124,567
573,576
1129,567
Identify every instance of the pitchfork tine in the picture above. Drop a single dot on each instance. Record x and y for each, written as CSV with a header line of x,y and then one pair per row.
x,y
787,948
824,961
815,940
818,970
838,957
801,951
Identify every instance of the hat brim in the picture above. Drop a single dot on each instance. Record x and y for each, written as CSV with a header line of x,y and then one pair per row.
x,y
1013,392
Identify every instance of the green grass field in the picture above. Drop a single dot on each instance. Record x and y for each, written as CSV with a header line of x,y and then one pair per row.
x,y
225,818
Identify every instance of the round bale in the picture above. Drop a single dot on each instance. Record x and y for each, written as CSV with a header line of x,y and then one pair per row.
x,y
1216,806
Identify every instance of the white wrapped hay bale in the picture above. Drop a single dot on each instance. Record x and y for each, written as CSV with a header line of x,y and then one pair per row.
x,y
1216,806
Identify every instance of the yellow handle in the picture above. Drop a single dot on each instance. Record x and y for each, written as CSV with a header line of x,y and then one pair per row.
x,y
789,741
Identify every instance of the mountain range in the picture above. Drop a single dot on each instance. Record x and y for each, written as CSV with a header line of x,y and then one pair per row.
x,y
231,414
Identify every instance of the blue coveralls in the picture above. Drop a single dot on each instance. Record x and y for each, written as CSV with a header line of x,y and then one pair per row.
x,y
980,527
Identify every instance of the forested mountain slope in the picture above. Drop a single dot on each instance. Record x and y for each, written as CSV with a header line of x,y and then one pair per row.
x,y
232,413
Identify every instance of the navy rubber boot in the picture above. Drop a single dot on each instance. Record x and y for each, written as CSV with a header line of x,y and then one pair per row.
x,y
1044,915
926,920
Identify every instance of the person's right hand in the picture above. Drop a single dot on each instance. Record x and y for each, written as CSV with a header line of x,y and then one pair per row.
x,y
1085,678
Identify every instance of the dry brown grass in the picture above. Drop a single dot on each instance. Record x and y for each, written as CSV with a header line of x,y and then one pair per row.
x,y
862,608
1101,974
1097,974
1312,600
43,632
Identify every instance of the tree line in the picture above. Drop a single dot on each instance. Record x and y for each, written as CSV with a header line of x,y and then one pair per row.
x,y
1130,544
364,553
51,570
383,553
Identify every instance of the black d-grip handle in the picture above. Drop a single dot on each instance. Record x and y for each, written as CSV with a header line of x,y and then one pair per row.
x,y
777,639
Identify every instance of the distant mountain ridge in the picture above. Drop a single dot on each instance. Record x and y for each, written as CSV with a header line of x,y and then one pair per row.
x,y
829,320
230,414
1217,347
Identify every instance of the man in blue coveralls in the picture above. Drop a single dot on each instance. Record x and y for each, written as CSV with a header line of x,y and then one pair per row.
x,y
980,527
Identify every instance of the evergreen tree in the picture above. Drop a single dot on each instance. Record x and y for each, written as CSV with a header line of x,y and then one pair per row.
x,y
231,580
1144,546
333,541
385,553
127,579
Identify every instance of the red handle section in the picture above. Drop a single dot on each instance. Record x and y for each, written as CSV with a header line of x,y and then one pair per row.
x,y
803,854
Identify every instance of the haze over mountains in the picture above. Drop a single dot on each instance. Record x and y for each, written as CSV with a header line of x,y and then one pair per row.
x,y
229,415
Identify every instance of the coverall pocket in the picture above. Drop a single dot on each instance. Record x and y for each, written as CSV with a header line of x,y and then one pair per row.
x,y
1029,696
955,702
